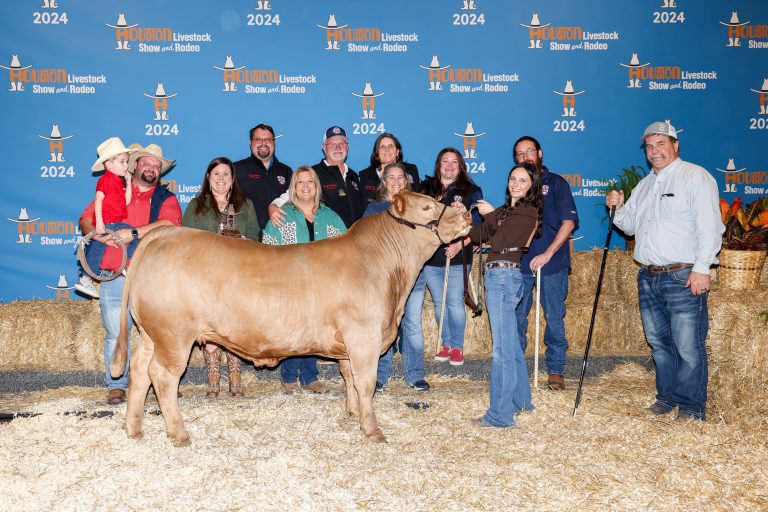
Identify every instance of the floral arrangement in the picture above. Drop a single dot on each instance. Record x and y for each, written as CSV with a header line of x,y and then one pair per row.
x,y
746,227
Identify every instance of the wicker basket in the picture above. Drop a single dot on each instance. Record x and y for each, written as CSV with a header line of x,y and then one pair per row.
x,y
740,270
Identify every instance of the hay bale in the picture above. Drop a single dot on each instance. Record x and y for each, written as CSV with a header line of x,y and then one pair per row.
x,y
738,353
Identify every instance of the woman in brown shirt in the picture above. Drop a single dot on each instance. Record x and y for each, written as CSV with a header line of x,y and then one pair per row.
x,y
509,230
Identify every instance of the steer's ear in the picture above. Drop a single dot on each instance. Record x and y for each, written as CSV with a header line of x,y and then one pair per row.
x,y
399,204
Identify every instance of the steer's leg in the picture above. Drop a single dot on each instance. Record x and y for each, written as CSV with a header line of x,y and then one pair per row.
x,y
138,385
353,406
165,370
364,359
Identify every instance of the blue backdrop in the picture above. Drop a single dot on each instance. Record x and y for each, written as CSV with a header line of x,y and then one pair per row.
x,y
583,77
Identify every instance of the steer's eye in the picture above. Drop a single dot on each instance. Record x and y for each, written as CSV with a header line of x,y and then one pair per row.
x,y
425,208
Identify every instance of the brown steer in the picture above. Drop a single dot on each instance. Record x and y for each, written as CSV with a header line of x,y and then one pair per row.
x,y
341,298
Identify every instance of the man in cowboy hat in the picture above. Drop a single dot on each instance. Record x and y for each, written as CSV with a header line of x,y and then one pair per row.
x,y
261,176
674,214
153,205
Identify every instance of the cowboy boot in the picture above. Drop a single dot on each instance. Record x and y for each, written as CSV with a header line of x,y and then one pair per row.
x,y
233,368
372,115
157,116
53,157
213,363
60,157
164,115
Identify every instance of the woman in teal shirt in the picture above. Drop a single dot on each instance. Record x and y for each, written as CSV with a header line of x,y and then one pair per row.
x,y
306,220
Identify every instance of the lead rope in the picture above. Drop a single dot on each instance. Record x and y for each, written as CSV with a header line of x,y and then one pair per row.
x,y
84,262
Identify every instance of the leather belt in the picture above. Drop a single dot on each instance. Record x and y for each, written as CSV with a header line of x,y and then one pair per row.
x,y
500,264
661,269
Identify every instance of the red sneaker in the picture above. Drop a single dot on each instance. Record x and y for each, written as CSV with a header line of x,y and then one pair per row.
x,y
443,355
457,357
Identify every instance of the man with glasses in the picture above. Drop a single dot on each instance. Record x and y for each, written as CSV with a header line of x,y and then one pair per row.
x,y
340,184
261,176
551,253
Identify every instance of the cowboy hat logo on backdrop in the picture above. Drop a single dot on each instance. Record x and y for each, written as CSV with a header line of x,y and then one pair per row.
x,y
263,81
51,232
753,182
364,39
62,288
664,78
742,30
161,102
466,80
56,80
569,99
763,97
56,143
155,39
470,141
368,99
566,38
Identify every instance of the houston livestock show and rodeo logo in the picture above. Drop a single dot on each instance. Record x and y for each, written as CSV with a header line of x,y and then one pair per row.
x,y
262,81
665,77
49,80
32,230
160,110
374,126
752,34
566,38
155,39
469,139
364,39
742,181
466,80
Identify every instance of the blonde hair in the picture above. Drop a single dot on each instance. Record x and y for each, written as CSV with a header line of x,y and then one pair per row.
x,y
292,186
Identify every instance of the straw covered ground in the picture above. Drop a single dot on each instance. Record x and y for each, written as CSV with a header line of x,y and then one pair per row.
x,y
271,451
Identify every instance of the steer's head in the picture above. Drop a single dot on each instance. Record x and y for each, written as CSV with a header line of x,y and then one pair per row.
x,y
424,212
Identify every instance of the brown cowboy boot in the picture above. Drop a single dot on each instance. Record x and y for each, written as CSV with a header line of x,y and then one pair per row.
x,y
233,367
213,363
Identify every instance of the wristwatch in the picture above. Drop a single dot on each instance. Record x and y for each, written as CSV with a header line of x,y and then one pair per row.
x,y
135,233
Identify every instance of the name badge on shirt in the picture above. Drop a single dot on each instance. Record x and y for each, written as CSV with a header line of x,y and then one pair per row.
x,y
342,193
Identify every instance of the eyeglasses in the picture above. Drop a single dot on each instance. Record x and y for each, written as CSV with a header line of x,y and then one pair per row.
x,y
263,141
527,152
340,145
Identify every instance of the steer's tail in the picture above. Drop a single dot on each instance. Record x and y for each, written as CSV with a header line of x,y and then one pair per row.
x,y
121,349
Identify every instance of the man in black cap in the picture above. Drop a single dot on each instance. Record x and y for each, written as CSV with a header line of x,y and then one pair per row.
x,y
340,184
261,176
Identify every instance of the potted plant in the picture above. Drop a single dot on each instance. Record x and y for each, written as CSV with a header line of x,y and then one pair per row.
x,y
626,182
745,242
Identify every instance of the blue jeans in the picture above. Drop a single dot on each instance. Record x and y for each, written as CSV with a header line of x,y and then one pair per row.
x,y
303,369
111,300
675,323
412,339
510,387
455,314
554,288
94,251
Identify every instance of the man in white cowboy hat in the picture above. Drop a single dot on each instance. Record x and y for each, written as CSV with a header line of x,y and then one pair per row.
x,y
261,176
152,205
673,213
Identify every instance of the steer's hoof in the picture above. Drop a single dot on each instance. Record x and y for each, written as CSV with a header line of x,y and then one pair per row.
x,y
377,436
136,435
181,441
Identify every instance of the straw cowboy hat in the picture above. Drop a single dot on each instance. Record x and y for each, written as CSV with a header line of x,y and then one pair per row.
x,y
152,150
111,147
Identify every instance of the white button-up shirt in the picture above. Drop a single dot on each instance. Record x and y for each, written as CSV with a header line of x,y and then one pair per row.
x,y
675,217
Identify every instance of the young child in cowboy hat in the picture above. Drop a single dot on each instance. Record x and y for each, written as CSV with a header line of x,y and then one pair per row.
x,y
112,196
